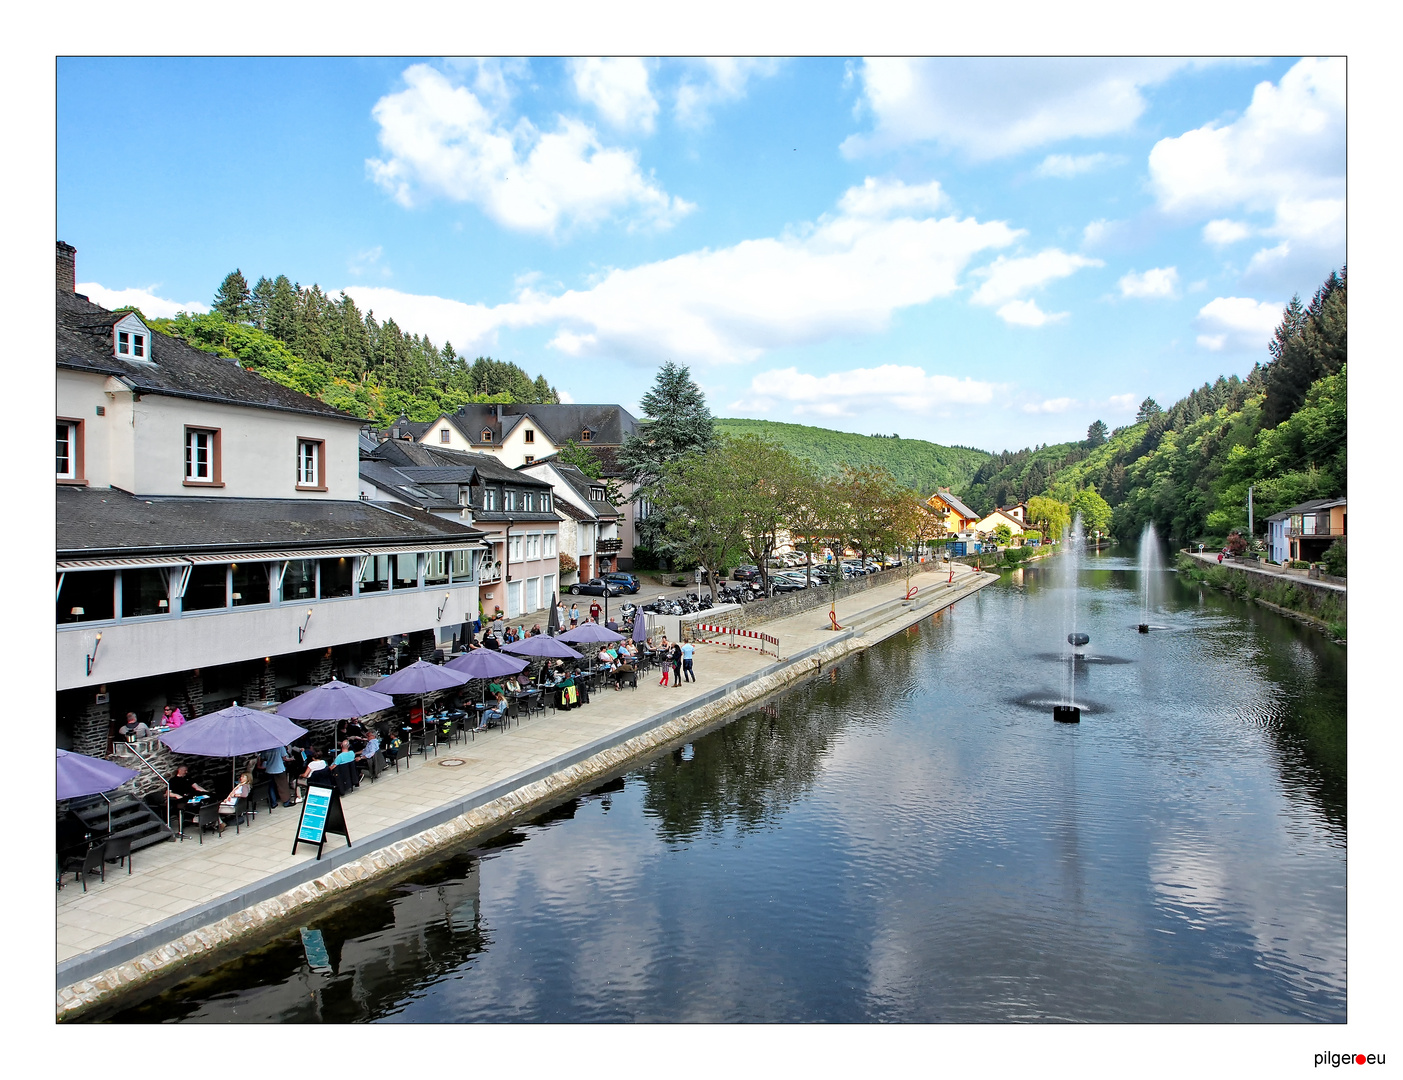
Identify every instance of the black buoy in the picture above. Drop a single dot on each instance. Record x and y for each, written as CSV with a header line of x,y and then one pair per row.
x,y
1077,639
1144,628
1066,714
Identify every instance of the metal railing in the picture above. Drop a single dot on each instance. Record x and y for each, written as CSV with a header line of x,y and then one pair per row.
x,y
609,546
157,774
1316,530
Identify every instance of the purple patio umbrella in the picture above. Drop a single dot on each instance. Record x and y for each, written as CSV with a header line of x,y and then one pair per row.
x,y
80,775
232,733
590,633
540,645
421,678
640,627
553,622
335,701
485,664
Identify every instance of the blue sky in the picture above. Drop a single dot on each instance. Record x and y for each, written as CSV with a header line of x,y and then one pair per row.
x,y
986,252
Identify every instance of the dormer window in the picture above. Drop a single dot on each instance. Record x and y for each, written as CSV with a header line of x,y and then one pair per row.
x,y
486,434
586,435
131,340
597,494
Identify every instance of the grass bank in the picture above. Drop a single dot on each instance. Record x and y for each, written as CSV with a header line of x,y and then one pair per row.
x,y
1327,609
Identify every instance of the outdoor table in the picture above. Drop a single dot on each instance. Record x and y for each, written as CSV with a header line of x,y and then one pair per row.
x,y
191,806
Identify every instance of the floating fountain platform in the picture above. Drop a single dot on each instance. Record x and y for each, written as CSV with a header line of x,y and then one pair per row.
x,y
1144,628
1066,714
1077,639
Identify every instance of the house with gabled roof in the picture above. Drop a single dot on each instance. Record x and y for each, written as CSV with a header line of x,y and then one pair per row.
x,y
986,525
956,516
211,542
590,529
1304,532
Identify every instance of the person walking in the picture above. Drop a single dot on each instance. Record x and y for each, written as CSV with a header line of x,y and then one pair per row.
x,y
676,664
594,610
687,650
665,652
574,615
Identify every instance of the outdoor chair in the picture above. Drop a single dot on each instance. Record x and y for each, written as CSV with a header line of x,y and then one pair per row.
x,y
243,813
345,777
119,851
208,819
94,860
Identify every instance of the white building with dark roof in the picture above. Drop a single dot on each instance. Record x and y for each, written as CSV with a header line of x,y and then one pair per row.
x,y
212,544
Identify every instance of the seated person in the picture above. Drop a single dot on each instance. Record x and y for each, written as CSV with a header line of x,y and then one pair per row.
x,y
346,756
241,790
133,728
489,641
514,685
535,631
565,684
316,773
183,787
369,750
172,717
496,712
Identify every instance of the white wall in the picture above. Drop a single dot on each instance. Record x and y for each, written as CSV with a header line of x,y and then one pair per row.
x,y
108,444
258,449
158,645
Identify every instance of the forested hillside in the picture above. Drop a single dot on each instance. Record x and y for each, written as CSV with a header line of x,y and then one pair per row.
x,y
324,346
916,463
1187,468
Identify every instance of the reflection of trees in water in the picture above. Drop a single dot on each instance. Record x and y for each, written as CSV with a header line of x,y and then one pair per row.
x,y
747,773
383,948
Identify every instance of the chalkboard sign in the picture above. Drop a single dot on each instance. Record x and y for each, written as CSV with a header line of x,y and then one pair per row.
x,y
321,814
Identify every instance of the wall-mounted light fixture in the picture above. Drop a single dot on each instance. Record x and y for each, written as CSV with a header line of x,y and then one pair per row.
x,y
97,641
442,606
302,630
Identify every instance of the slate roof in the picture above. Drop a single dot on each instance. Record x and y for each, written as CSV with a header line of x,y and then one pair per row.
x,y
570,510
581,485
953,501
105,521
1309,507
175,369
424,496
407,455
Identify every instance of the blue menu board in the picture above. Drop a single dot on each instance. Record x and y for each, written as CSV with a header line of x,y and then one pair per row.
x,y
321,814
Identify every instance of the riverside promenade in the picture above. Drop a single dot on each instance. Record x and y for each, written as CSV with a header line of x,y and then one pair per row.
x,y
183,900
1276,573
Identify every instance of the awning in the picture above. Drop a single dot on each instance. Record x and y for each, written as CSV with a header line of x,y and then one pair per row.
x,y
426,545
275,556
125,563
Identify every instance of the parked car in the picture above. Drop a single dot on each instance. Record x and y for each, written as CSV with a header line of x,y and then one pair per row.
x,y
745,573
627,582
781,584
595,587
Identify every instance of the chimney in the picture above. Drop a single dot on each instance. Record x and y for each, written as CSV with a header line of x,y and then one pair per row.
x,y
66,267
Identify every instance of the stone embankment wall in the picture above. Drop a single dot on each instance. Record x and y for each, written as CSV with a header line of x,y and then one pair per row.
x,y
786,604
1297,597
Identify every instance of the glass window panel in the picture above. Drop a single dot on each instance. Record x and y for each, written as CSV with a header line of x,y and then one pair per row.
x,y
64,460
300,581
145,592
462,565
406,571
139,344
123,343
436,568
87,595
207,588
336,577
250,584
377,574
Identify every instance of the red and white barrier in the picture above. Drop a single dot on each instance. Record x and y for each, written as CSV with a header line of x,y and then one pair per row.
x,y
728,636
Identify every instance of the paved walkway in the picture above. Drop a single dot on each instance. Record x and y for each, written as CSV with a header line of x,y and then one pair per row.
x,y
169,879
1275,572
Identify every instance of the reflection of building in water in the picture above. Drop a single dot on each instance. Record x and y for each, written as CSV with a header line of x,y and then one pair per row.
x,y
382,949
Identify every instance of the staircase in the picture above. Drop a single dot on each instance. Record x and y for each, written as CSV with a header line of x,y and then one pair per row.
x,y
130,818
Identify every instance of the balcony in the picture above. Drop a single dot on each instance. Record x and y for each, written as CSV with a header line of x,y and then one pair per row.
x,y
1322,530
609,547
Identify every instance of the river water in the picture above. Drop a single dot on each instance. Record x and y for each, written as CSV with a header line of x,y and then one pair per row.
x,y
907,837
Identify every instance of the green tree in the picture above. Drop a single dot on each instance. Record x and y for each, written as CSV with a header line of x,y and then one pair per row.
x,y
1149,408
1096,433
873,510
231,299
767,482
1003,535
698,506
1049,514
813,512
1095,511
678,424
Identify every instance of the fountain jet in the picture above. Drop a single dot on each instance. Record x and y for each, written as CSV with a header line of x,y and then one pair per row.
x,y
1151,567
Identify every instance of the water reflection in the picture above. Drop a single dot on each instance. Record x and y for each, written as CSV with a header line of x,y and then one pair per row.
x,y
905,837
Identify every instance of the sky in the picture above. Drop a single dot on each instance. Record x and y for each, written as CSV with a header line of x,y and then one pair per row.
x,y
985,252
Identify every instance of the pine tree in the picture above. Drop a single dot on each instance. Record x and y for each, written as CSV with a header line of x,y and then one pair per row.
x,y
258,304
231,300
282,310
1096,433
1149,408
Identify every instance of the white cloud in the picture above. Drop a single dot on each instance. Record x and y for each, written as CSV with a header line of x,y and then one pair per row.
x,y
1097,232
443,140
990,108
1238,322
1161,282
879,198
1007,278
843,275
618,88
1051,405
1268,258
363,261
1027,313
1124,403
151,305
566,398
844,393
1220,232
1285,156
716,80
1066,166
